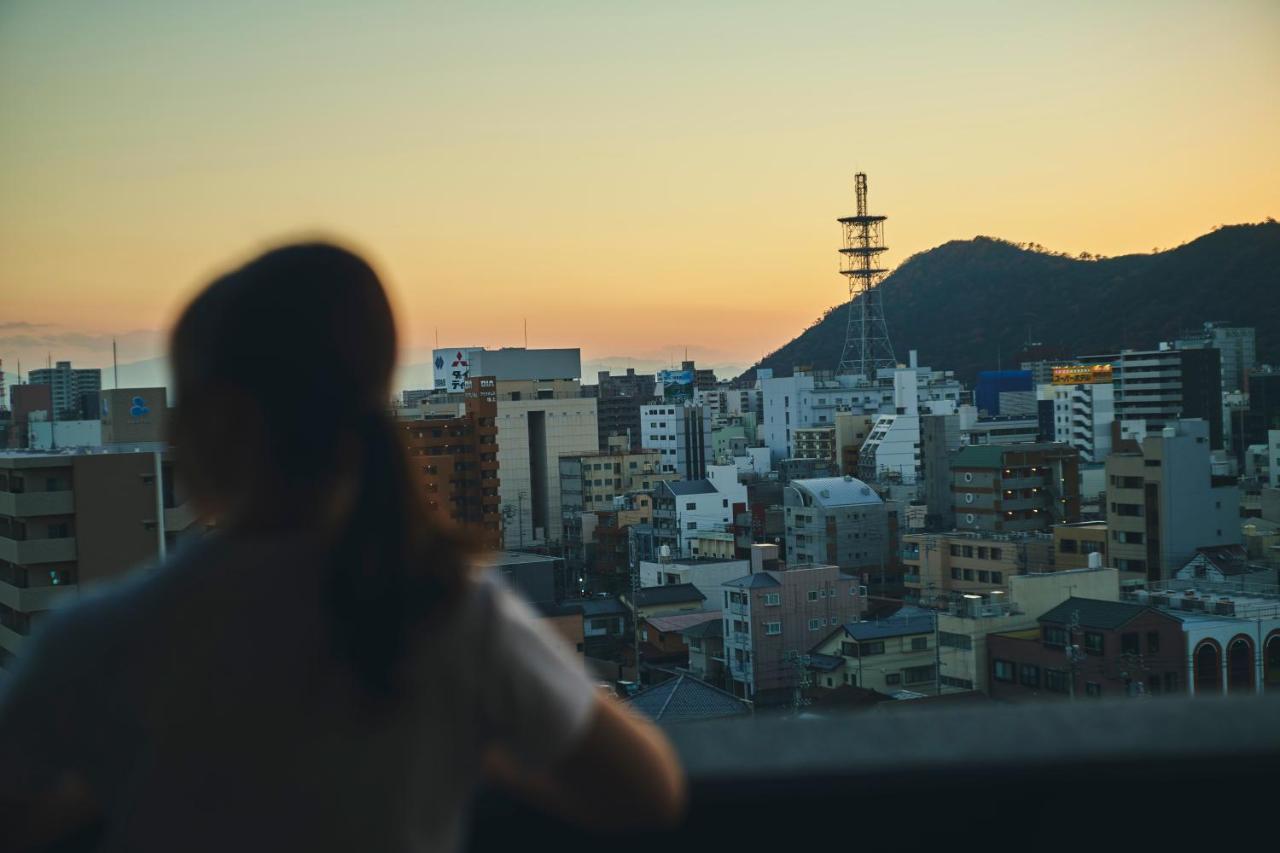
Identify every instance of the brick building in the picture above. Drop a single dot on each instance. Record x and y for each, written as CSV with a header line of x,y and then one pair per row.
x,y
1089,648
455,460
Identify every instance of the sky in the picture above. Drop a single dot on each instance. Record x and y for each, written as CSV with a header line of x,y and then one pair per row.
x,y
633,179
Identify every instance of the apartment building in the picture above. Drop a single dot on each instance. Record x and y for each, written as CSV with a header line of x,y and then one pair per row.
x,y
809,399
1083,414
454,460
1164,502
837,520
1074,543
75,391
708,574
67,522
774,615
686,511
1012,488
942,566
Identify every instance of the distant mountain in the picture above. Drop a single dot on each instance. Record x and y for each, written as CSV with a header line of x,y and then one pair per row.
x,y
970,305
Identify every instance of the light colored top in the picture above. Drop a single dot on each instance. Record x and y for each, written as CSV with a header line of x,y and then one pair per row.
x,y
202,705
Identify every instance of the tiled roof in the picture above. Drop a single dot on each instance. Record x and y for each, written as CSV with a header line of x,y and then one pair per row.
x,y
686,698
705,630
907,620
681,621
756,581
601,606
1093,613
1228,559
690,487
669,594
825,663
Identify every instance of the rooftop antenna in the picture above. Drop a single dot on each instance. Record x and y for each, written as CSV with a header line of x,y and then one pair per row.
x,y
437,337
526,332
115,363
866,341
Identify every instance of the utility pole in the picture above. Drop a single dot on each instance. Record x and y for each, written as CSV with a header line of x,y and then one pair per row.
x,y
1073,652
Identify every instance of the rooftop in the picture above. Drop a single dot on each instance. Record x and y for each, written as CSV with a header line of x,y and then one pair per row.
x,y
905,621
837,491
685,698
1093,613
755,581
670,594
690,487
680,622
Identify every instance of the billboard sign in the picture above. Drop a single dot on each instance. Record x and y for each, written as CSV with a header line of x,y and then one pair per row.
x,y
677,385
1082,374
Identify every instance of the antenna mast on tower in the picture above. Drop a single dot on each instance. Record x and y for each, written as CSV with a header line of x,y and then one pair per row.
x,y
866,340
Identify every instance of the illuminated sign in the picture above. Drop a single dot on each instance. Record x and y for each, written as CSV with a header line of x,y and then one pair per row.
x,y
1082,374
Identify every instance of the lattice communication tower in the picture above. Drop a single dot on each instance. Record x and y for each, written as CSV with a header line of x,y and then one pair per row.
x,y
866,341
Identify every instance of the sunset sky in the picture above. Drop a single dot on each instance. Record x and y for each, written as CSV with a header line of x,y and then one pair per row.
x,y
631,178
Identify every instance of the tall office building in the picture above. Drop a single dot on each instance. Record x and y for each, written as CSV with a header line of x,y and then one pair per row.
x,y
75,390
618,402
840,521
681,432
535,428
1155,388
1237,348
1083,412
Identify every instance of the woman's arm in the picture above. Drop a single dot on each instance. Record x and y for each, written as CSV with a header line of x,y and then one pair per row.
x,y
621,774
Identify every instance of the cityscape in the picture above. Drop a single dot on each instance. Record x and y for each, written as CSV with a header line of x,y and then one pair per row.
x,y
1072,525
733,402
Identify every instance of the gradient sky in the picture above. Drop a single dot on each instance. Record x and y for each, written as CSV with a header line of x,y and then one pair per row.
x,y
629,177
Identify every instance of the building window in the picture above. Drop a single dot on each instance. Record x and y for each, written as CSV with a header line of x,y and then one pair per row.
x,y
868,649
984,576
997,577
955,641
1093,643
688,505
968,574
1055,636
918,674
1029,675
995,553
1129,644
691,525
813,595
919,643
815,624
1055,681
1002,670
955,573
772,629
772,599
1153,642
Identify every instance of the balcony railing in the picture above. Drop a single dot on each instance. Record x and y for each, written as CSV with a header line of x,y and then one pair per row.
x,y
27,552
27,504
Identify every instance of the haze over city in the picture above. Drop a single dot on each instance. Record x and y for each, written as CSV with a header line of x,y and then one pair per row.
x,y
603,175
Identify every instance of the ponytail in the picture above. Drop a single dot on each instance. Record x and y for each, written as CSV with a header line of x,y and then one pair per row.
x,y
392,564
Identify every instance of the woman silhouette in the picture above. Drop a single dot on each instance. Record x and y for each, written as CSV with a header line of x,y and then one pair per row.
x,y
327,670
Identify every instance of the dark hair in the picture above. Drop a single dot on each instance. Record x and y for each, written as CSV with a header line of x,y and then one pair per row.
x,y
283,369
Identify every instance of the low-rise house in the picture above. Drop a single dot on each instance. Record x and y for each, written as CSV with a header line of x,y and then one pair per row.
x,y
685,699
888,654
